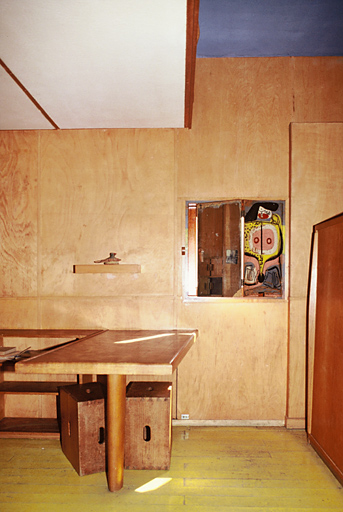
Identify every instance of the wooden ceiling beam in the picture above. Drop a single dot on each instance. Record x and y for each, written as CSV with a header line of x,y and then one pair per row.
x,y
192,37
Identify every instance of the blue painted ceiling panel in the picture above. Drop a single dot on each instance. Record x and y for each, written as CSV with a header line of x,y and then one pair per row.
x,y
270,28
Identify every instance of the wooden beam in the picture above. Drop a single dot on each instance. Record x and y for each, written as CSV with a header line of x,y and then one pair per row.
x,y
192,37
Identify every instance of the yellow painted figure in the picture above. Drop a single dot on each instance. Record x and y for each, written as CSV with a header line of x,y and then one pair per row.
x,y
263,241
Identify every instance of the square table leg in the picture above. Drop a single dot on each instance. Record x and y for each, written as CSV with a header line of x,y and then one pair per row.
x,y
115,409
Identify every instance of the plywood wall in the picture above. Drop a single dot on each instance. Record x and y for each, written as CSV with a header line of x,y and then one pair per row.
x,y
71,197
316,195
18,214
237,148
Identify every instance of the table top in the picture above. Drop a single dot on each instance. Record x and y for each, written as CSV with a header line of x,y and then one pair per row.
x,y
122,352
47,333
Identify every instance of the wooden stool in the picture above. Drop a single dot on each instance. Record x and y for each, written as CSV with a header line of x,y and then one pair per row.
x,y
82,412
148,434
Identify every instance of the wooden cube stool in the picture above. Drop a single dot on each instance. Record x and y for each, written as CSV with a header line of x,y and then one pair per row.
x,y
82,413
148,433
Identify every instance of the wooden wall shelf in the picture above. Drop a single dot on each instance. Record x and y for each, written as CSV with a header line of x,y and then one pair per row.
x,y
107,269
29,428
32,387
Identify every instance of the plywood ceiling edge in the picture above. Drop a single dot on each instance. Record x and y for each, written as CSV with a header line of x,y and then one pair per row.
x,y
28,94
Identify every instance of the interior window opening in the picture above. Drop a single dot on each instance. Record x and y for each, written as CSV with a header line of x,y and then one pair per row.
x,y
235,248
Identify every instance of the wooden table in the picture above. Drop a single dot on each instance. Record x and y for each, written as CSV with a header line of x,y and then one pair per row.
x,y
115,354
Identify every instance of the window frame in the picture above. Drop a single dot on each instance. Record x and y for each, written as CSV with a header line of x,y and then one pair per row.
x,y
190,287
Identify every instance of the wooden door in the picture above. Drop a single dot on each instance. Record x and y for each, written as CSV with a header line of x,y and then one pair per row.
x,y
325,412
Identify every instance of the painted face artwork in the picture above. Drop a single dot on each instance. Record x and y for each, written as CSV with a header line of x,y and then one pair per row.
x,y
263,248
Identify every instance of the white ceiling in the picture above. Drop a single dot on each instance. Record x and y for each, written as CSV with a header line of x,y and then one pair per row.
x,y
92,63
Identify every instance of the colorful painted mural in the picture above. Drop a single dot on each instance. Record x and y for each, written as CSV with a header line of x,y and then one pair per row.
x,y
264,244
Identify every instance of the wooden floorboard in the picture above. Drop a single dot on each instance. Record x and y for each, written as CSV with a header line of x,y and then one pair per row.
x,y
212,469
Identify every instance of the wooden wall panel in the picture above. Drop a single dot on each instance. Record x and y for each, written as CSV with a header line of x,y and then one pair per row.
x,y
316,194
318,84
295,413
316,189
19,313
120,189
239,140
18,214
237,148
108,313
32,406
237,369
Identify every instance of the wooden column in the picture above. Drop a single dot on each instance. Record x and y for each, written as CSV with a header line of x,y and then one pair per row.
x,y
116,396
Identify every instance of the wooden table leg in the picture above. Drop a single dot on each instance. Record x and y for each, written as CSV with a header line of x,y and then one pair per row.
x,y
116,397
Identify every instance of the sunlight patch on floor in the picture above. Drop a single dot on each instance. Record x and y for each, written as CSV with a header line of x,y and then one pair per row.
x,y
154,484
